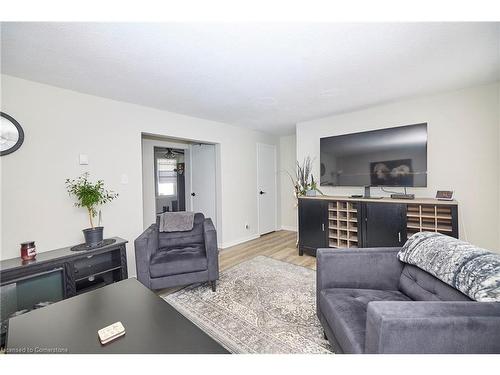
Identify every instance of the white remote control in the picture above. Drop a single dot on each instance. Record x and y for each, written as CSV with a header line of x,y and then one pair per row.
x,y
111,332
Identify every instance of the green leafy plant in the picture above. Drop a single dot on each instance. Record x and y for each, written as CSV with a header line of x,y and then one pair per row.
x,y
304,179
89,195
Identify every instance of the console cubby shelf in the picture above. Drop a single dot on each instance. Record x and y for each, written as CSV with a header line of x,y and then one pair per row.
x,y
342,224
429,218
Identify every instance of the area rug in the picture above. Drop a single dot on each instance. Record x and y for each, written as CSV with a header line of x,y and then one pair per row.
x,y
261,306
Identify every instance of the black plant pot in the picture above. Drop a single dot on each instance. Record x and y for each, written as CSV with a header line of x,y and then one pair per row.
x,y
93,236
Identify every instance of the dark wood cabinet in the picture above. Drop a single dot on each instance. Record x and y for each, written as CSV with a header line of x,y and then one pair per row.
x,y
58,274
340,222
312,225
384,224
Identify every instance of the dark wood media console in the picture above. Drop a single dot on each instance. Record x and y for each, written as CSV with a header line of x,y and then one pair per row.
x,y
58,274
341,222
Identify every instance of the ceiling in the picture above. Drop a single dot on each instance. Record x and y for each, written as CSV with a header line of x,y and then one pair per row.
x,y
264,76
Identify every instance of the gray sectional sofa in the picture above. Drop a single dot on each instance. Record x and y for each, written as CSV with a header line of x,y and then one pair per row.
x,y
368,301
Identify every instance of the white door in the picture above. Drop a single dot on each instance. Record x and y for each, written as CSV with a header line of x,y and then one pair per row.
x,y
203,193
266,187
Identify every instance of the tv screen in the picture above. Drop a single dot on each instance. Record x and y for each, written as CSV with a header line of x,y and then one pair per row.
x,y
385,157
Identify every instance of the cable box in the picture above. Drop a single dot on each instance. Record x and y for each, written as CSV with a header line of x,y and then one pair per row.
x,y
402,196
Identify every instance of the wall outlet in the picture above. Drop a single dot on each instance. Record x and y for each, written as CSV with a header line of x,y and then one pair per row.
x,y
247,226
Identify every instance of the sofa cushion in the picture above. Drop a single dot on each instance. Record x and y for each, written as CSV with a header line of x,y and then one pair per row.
x,y
174,240
467,268
178,261
422,286
345,312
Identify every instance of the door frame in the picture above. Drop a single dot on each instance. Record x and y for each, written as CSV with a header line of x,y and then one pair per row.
x,y
258,145
218,176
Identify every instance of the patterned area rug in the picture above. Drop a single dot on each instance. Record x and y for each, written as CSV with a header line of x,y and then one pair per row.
x,y
261,306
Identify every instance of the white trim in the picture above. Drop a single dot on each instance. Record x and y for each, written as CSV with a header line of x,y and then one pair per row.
x,y
225,245
289,228
189,205
276,197
258,144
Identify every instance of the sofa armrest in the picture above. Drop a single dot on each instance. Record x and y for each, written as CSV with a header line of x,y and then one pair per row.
x,y
210,236
145,246
367,268
433,327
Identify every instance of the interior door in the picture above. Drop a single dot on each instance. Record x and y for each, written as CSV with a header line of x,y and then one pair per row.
x,y
385,224
266,187
202,186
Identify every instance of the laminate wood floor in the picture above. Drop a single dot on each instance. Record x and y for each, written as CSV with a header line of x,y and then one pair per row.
x,y
279,245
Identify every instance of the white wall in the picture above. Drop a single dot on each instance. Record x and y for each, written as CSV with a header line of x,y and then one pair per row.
x,y
287,163
60,124
463,150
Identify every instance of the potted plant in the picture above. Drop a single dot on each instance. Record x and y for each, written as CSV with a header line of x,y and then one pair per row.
x,y
90,195
304,183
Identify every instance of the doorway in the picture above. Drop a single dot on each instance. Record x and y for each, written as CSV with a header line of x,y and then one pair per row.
x,y
179,175
266,188
170,185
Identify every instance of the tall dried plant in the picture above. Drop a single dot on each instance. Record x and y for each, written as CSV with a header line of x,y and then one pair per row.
x,y
303,179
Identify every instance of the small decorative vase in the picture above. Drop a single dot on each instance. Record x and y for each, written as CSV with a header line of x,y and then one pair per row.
x,y
310,193
93,236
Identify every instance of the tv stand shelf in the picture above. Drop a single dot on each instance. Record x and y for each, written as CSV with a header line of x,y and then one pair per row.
x,y
81,271
344,222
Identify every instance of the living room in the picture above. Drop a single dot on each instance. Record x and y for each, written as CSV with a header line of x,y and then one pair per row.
x,y
250,187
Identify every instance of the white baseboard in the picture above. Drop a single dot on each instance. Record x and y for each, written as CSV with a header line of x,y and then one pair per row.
x,y
225,245
288,227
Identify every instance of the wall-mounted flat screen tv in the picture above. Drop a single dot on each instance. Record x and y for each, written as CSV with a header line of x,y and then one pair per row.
x,y
385,157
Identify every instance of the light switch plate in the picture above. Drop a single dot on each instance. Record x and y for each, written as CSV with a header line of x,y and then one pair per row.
x,y
84,159
124,179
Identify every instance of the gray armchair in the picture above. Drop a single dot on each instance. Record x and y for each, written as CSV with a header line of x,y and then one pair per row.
x,y
370,302
167,259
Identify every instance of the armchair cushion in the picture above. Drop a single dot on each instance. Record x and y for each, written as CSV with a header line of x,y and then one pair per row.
x,y
177,261
175,240
345,312
210,236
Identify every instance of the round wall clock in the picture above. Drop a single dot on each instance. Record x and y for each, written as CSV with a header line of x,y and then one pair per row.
x,y
11,134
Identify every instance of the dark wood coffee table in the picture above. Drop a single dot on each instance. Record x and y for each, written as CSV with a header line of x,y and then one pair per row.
x,y
71,325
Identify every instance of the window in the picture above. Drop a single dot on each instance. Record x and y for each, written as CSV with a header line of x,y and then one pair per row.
x,y
166,176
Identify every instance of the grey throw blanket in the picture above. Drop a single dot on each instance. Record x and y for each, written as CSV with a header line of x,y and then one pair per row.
x,y
470,269
176,221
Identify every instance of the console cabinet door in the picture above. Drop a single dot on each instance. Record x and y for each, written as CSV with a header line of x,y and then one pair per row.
x,y
384,224
312,224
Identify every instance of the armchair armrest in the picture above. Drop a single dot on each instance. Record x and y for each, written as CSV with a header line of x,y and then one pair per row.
x,y
433,327
368,268
210,236
145,246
